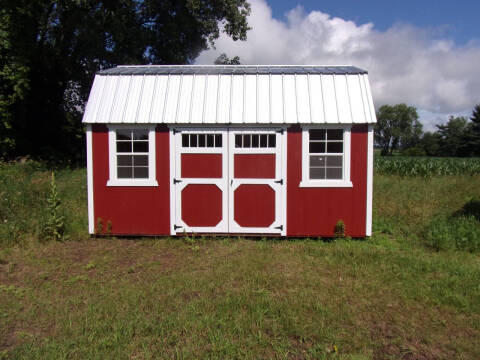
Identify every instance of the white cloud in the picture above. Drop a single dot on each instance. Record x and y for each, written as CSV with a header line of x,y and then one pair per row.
x,y
405,63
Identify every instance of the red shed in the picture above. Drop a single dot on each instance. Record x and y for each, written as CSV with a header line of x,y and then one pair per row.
x,y
265,150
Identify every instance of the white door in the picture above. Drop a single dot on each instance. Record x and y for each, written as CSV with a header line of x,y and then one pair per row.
x,y
256,181
228,180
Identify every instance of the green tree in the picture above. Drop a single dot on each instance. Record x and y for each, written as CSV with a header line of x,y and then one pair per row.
x,y
453,137
223,59
397,128
59,45
473,138
431,143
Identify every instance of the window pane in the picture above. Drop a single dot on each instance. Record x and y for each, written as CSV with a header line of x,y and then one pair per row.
x,y
317,134
218,140
246,140
271,140
140,160
263,140
238,141
316,160
140,146
124,134
124,172
184,140
124,160
124,146
201,140
255,140
335,147
317,173
334,173
335,134
210,140
336,161
140,134
140,172
193,140
317,147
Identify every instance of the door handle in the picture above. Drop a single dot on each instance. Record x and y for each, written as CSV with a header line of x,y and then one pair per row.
x,y
231,182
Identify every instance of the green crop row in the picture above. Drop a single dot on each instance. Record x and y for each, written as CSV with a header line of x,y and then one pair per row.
x,y
426,166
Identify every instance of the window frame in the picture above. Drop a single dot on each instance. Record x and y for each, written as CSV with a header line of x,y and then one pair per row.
x,y
112,156
345,181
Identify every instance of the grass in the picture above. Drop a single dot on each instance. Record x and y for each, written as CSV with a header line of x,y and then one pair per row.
x,y
389,297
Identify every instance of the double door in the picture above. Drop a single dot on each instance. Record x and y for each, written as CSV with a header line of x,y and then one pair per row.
x,y
228,180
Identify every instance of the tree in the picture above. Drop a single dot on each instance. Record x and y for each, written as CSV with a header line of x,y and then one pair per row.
x,y
431,143
223,59
453,137
397,127
474,132
59,45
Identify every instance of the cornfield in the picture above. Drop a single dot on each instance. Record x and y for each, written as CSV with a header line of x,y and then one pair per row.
x,y
426,166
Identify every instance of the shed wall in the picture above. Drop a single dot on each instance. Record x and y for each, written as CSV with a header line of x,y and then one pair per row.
x,y
310,211
131,210
315,211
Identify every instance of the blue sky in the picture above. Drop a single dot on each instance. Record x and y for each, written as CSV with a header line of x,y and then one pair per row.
x,y
458,19
423,53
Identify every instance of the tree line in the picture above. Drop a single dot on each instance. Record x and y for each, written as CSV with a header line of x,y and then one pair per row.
x,y
50,51
398,129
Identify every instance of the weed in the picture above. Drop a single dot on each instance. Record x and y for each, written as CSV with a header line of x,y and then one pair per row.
x,y
54,227
453,233
339,229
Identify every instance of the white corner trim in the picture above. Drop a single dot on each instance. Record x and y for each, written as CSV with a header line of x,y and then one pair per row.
x,y
172,161
91,219
326,183
368,230
112,156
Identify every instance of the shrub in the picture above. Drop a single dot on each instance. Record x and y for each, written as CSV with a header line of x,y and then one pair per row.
x,y
453,233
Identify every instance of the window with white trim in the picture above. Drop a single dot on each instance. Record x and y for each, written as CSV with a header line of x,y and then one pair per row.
x,y
326,157
132,156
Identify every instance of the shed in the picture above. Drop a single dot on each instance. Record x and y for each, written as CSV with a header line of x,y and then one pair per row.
x,y
228,149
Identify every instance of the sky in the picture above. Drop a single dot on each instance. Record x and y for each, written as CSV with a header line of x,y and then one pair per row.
x,y
424,53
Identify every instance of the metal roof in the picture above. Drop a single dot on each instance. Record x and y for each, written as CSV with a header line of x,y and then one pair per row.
x,y
230,70
231,95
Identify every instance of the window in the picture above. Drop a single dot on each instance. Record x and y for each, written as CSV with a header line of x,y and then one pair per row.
x,y
132,156
202,140
326,157
255,141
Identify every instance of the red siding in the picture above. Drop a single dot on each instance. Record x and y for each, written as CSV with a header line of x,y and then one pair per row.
x,y
201,165
315,211
254,166
131,210
201,205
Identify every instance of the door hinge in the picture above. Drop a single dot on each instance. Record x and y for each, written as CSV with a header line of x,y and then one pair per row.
x,y
280,131
175,181
279,227
175,131
175,227
279,181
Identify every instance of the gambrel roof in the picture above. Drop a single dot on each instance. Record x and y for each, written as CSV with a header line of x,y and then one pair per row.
x,y
231,94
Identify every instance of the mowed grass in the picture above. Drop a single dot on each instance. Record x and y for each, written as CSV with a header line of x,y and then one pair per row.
x,y
386,297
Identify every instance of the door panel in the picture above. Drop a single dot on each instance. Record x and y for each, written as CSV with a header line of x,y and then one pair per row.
x,y
200,181
256,181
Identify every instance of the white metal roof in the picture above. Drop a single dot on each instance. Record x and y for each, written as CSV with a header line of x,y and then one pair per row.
x,y
231,95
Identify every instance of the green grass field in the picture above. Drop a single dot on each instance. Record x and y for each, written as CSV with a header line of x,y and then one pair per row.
x,y
411,291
